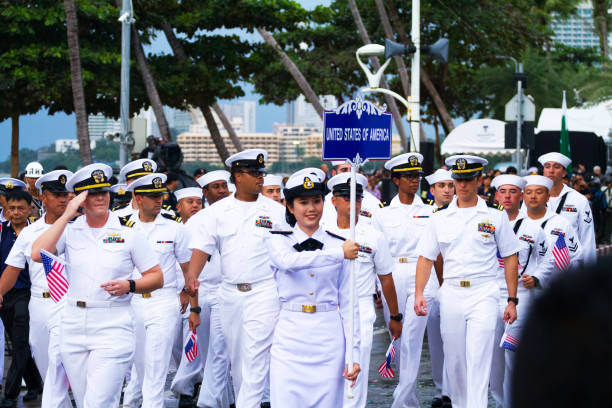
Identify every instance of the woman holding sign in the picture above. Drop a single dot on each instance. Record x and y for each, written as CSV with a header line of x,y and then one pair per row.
x,y
307,365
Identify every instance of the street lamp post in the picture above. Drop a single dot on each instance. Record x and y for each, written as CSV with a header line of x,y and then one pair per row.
x,y
126,142
519,76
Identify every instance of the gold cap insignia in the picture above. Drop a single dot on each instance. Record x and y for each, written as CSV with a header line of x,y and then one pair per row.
x,y
260,158
120,191
146,166
98,176
413,161
9,185
308,184
157,182
461,163
62,179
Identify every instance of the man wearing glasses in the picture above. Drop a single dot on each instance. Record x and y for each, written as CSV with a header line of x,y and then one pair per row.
x,y
236,227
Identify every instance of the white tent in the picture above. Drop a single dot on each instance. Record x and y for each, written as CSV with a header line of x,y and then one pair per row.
x,y
596,119
478,136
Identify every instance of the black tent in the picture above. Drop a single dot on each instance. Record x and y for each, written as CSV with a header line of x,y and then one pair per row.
x,y
586,148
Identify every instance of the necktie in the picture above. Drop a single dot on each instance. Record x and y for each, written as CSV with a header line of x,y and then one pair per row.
x,y
309,245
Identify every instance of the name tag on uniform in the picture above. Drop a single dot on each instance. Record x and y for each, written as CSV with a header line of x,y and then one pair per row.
x,y
263,222
113,239
487,227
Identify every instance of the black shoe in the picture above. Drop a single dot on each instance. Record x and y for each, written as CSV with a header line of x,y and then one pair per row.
x,y
446,402
8,403
437,403
185,401
31,395
265,404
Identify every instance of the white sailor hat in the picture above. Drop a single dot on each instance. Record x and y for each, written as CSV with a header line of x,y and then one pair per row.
x,y
405,163
439,175
152,185
340,184
8,184
532,170
273,180
137,168
338,162
465,166
188,192
93,177
211,176
305,183
251,159
34,170
537,180
54,181
511,179
555,157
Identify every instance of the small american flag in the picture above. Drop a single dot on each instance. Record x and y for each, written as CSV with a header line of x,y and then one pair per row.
x,y
385,370
54,270
191,347
561,254
500,260
508,342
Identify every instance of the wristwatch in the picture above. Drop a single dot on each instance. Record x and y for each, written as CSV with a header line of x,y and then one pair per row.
x,y
513,299
195,310
398,317
132,285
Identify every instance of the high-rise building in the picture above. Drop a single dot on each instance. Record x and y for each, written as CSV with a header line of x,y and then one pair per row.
x,y
98,125
245,110
579,29
293,141
302,113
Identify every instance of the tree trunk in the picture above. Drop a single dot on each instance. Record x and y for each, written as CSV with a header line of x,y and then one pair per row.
x,y
401,66
78,91
215,135
397,117
600,20
14,145
150,86
228,126
295,72
437,145
181,55
440,106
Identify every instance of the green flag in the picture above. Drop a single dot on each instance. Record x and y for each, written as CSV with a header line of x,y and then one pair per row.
x,y
564,145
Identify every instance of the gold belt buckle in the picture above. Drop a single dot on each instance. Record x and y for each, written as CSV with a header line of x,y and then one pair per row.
x,y
402,259
244,287
46,295
146,295
309,308
465,284
81,303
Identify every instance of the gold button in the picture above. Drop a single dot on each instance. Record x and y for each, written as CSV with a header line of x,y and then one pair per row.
x,y
311,293
312,274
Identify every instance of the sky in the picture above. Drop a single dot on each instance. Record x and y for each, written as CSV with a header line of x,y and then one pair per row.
x,y
41,129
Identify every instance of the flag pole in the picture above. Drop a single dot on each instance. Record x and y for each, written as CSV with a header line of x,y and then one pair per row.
x,y
353,210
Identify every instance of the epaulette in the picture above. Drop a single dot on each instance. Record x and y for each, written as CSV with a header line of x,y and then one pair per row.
x,y
496,206
383,204
125,221
167,207
336,235
172,217
32,219
119,206
281,232
431,202
444,207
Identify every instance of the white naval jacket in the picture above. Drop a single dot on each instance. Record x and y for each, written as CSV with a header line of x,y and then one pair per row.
x,y
554,225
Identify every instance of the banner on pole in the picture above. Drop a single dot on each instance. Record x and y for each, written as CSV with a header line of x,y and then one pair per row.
x,y
357,128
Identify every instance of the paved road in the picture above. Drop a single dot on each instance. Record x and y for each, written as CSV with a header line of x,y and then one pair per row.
x,y
380,390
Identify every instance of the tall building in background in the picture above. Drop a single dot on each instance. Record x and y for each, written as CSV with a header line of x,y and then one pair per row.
x,y
98,125
245,110
302,113
579,29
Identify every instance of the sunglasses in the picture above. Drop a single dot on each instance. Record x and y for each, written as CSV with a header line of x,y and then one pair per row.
x,y
409,175
255,173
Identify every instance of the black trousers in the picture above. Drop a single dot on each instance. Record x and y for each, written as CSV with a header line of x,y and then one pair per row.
x,y
16,319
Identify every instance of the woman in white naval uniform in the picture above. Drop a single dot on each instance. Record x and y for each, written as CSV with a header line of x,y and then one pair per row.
x,y
101,250
308,348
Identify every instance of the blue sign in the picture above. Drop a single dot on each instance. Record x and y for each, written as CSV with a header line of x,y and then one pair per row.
x,y
357,128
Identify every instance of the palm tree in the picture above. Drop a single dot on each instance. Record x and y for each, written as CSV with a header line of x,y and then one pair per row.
x,y
78,92
602,21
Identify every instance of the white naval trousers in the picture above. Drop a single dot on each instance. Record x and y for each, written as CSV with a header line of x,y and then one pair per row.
x,y
180,334
308,358
248,320
434,341
45,319
97,347
468,316
216,390
154,316
503,360
367,316
189,374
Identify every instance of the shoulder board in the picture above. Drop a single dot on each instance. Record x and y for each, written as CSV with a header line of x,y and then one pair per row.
x,y
496,206
119,206
336,236
32,218
444,207
172,217
125,221
383,204
281,232
430,202
167,207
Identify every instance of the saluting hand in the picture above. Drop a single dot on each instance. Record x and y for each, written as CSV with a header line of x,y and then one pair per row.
x,y
352,376
351,249
72,209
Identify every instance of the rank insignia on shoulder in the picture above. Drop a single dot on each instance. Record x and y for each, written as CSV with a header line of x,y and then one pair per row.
x,y
32,219
172,217
167,207
263,222
430,202
281,232
383,204
119,206
365,213
444,207
336,235
125,221
496,206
